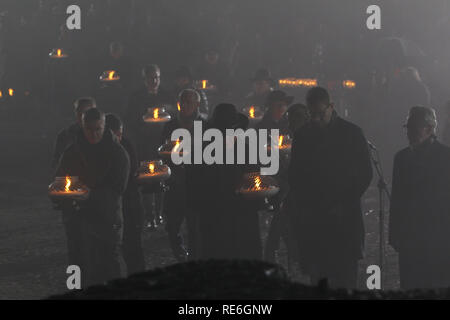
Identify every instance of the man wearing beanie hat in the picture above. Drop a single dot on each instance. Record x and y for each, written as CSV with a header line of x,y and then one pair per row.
x,y
419,226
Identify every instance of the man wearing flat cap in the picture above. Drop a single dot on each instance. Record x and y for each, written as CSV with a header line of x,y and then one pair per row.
x,y
419,226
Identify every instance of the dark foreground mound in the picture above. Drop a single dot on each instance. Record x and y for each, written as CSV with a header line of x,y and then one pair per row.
x,y
228,280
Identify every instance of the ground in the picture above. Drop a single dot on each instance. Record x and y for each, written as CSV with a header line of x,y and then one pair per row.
x,y
32,243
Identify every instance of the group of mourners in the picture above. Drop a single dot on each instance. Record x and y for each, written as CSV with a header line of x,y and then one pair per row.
x,y
317,211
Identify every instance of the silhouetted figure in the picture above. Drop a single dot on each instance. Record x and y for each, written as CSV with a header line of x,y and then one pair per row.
x,y
228,224
263,84
420,205
147,137
276,106
185,80
280,226
446,132
176,206
102,164
330,170
133,210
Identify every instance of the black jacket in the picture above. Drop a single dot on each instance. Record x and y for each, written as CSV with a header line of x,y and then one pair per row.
x,y
330,169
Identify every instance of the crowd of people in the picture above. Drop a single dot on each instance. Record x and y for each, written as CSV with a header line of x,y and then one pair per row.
x,y
317,211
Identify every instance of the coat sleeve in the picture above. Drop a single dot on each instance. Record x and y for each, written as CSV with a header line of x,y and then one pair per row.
x,y
120,168
60,145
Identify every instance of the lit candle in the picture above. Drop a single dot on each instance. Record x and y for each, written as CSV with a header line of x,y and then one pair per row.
x,y
11,92
156,113
68,183
349,84
204,83
251,112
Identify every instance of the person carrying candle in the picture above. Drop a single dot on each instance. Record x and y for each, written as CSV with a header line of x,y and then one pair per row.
x,y
103,165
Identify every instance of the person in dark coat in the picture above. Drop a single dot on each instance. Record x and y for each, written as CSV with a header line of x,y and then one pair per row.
x,y
68,135
228,224
420,205
103,165
330,170
71,219
133,209
175,201
147,137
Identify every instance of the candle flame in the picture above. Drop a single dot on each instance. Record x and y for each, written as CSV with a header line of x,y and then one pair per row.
x,y
156,113
1,94
280,141
204,82
68,183
257,183
111,75
251,112
349,84
58,52
11,92
178,106
177,145
151,168
297,82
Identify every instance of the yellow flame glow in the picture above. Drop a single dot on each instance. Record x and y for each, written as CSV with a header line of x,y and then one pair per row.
x,y
280,141
151,168
349,84
11,92
156,113
178,106
177,145
204,82
251,112
68,183
58,52
257,183
1,94
111,75
296,82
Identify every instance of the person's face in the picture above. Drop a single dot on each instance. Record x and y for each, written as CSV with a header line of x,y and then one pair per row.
x,y
261,87
189,105
93,130
212,57
182,82
417,133
279,108
81,111
116,52
152,80
320,113
118,133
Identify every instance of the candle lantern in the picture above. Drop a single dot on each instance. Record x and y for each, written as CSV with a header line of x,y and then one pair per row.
x,y
205,85
170,147
156,115
256,186
109,76
68,188
57,53
297,82
349,84
153,172
254,113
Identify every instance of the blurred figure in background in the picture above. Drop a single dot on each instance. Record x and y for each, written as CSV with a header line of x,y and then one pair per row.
x,y
262,85
132,207
148,136
446,132
420,205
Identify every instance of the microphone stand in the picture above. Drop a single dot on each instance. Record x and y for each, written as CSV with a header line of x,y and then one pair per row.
x,y
382,190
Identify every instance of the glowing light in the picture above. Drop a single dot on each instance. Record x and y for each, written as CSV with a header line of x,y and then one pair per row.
x,y
68,183
151,168
111,75
204,83
280,141
178,106
349,84
1,94
297,82
177,145
58,52
11,92
257,183
156,113
251,112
